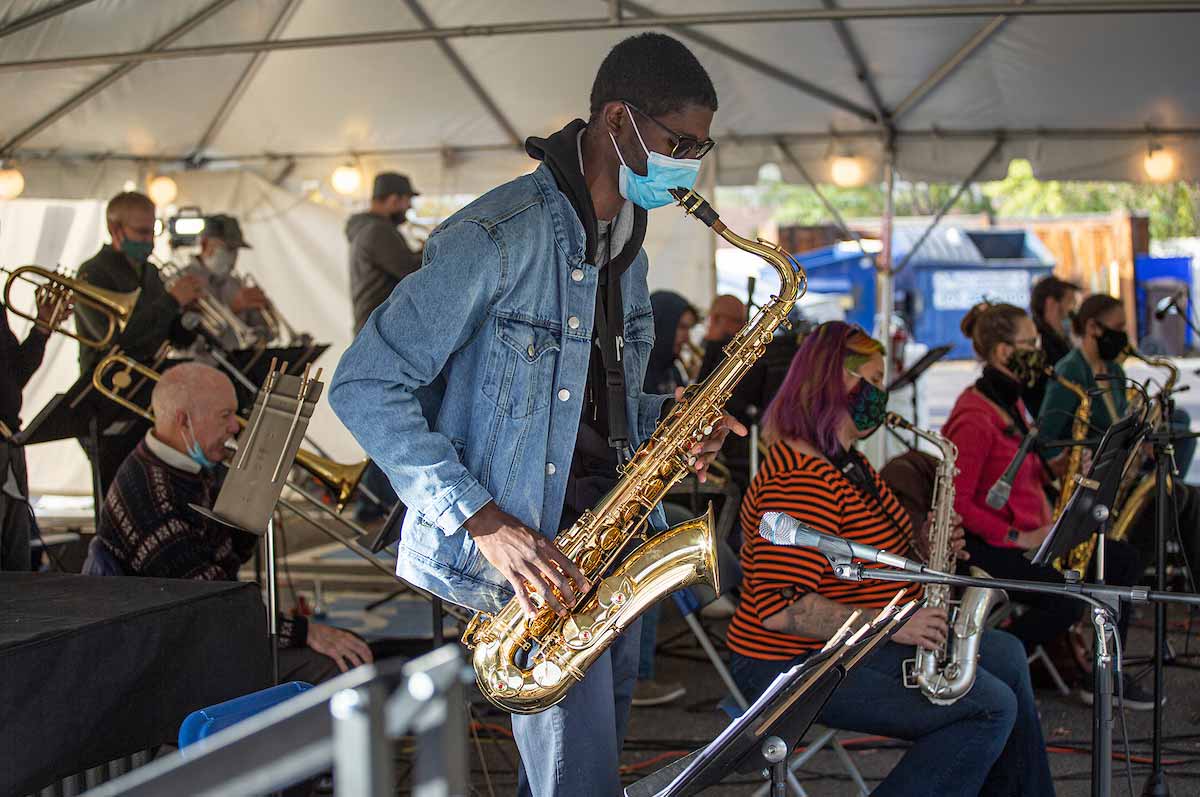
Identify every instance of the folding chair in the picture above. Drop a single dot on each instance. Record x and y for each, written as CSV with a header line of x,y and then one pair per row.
x,y
1002,612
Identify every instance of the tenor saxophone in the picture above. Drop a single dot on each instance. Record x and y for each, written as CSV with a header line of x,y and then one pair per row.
x,y
946,674
1080,556
1137,486
526,665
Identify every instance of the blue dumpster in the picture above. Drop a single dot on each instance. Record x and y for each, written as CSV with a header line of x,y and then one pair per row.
x,y
847,273
955,269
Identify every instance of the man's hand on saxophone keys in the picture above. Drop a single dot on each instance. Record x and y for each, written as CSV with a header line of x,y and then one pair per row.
x,y
530,563
706,449
927,628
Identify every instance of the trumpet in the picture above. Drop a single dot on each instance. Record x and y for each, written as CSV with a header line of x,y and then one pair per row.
x,y
340,478
116,307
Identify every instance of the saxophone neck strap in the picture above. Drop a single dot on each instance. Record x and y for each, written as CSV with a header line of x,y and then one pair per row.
x,y
610,331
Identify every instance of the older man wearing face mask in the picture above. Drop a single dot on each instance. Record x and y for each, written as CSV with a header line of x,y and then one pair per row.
x,y
148,527
219,246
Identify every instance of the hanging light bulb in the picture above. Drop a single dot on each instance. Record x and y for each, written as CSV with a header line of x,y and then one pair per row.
x,y
847,171
346,179
1160,164
162,190
12,183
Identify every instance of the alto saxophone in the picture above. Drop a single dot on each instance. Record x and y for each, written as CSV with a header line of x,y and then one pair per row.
x,y
946,674
1137,486
525,665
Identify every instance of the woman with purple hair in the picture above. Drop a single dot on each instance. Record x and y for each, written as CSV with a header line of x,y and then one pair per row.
x,y
990,740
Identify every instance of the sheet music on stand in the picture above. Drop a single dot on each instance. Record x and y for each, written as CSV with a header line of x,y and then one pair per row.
x,y
267,448
785,709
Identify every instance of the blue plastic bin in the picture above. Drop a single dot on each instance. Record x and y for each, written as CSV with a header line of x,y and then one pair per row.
x,y
206,721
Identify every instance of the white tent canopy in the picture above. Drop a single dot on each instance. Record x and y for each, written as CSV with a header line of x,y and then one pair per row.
x,y
446,91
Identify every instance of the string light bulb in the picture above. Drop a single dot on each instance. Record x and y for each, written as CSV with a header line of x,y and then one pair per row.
x,y
847,171
346,179
1160,164
12,183
162,190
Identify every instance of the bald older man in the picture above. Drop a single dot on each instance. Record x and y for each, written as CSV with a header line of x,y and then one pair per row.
x,y
148,528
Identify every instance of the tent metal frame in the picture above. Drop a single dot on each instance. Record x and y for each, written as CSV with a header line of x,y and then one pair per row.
x,y
928,11
35,17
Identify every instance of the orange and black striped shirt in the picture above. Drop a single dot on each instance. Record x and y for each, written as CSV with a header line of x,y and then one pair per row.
x,y
813,491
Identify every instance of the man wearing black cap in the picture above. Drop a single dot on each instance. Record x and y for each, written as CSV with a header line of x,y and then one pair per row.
x,y
379,255
219,245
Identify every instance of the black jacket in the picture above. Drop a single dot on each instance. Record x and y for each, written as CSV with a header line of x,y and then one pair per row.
x,y
155,317
379,259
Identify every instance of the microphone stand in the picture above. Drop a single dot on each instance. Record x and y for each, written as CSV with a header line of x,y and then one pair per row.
x,y
1103,600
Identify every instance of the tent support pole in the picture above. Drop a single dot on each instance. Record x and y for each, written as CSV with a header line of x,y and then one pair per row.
x,y
243,82
876,446
112,77
29,20
882,116
939,75
950,203
467,76
795,163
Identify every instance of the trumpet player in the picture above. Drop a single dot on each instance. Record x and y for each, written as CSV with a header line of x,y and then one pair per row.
x,y
215,265
989,741
123,265
500,385
19,360
148,527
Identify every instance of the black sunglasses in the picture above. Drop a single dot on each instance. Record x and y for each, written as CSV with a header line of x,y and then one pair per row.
x,y
683,146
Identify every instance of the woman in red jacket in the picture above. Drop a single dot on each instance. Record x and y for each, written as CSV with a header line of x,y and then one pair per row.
x,y
987,424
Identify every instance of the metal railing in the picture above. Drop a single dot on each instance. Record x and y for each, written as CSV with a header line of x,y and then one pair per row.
x,y
349,725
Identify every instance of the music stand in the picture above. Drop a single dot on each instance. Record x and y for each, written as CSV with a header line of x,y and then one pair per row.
x,y
910,377
1091,504
266,450
764,735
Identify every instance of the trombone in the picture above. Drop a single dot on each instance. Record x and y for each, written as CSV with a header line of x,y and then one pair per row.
x,y
116,307
340,478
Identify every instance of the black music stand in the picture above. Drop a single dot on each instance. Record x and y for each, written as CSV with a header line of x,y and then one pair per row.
x,y
1091,504
765,734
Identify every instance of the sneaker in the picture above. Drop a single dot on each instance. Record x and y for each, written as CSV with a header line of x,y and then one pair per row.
x,y
649,692
1136,697
720,609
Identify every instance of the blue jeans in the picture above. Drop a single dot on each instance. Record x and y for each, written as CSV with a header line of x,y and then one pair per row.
x,y
988,742
574,748
648,641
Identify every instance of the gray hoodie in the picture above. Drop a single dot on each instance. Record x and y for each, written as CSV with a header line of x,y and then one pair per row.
x,y
379,259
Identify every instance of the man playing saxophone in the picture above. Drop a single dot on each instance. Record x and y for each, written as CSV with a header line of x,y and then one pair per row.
x,y
501,384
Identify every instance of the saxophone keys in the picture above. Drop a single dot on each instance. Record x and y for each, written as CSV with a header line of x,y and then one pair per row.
x,y
547,674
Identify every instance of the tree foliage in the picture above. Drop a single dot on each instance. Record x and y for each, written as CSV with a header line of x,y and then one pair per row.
x,y
1173,208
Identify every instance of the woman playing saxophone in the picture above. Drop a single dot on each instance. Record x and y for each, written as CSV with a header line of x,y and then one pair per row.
x,y
990,740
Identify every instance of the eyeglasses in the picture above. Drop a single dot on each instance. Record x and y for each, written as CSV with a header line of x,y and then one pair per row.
x,y
682,145
1033,343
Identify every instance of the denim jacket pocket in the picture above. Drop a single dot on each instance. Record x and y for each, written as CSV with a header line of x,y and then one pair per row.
x,y
519,376
639,340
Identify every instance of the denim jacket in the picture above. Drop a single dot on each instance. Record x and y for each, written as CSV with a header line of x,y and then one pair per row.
x,y
466,385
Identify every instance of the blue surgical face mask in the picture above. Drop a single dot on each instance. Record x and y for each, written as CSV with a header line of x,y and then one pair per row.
x,y
195,452
652,189
137,251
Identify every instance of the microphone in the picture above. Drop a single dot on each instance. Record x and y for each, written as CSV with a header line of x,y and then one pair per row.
x,y
784,529
1164,305
997,497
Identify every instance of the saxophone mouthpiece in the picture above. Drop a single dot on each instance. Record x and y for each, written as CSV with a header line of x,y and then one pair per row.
x,y
695,205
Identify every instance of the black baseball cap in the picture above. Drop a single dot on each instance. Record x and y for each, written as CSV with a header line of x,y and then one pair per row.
x,y
388,183
227,229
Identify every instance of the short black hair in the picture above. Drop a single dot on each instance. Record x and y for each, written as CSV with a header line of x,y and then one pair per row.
x,y
1048,288
656,73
